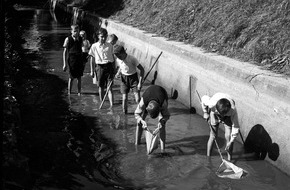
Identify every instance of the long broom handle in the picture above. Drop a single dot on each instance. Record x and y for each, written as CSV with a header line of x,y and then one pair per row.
x,y
109,86
152,67
212,130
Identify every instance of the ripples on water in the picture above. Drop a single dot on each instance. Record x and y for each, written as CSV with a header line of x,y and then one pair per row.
x,y
184,165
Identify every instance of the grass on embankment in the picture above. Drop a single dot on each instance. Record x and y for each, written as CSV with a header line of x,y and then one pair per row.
x,y
256,31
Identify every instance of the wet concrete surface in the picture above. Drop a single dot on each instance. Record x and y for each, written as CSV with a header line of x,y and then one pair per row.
x,y
184,164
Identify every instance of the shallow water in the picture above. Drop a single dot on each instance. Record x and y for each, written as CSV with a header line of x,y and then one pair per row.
x,y
184,165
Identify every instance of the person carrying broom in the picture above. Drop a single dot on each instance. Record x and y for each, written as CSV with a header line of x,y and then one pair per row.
x,y
220,108
154,102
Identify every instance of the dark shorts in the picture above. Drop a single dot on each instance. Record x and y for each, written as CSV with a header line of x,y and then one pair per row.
x,y
105,73
215,119
75,65
129,82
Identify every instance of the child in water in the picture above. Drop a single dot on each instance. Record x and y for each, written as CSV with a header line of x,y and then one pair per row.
x,y
72,58
85,47
103,62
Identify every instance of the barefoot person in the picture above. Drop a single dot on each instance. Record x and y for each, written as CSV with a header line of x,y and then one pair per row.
x,y
129,77
85,48
72,57
103,62
154,102
220,108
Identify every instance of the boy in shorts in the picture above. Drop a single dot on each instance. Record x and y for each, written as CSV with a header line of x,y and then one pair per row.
x,y
154,102
128,68
103,62
220,108
72,58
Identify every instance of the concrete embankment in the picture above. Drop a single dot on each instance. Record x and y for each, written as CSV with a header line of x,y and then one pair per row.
x,y
262,98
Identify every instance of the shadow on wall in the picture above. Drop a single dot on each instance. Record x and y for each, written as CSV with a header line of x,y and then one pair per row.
x,y
154,77
259,142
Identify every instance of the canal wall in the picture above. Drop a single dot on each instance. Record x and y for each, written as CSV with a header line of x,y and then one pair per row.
x,y
262,98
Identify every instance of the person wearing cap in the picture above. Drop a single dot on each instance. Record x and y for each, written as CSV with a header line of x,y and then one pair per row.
x,y
129,77
220,108
112,39
154,102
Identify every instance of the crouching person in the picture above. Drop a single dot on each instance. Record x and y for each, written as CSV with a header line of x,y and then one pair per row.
x,y
220,108
154,102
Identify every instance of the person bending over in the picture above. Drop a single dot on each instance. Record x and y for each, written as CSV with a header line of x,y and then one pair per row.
x,y
154,102
220,108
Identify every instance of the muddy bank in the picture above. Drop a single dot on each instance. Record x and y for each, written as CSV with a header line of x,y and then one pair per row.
x,y
45,144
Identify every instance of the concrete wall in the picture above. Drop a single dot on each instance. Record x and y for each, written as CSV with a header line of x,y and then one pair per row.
x,y
262,98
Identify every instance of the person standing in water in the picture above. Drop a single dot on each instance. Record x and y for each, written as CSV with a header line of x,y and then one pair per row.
x,y
129,77
72,58
220,108
85,48
154,102
102,61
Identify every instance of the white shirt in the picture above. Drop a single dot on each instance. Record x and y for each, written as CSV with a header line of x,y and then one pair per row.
x,y
102,53
206,101
128,65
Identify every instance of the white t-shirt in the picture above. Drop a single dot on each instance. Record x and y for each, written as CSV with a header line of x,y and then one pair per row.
x,y
128,65
102,53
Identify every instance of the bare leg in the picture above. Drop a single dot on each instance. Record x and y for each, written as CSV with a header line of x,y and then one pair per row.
x,y
228,131
212,137
101,93
162,138
110,96
70,83
137,96
125,103
139,130
79,85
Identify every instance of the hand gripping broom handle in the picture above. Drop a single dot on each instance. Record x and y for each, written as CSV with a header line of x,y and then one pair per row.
x,y
209,125
109,86
152,67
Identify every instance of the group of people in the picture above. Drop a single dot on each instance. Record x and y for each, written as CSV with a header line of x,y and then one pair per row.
x,y
109,60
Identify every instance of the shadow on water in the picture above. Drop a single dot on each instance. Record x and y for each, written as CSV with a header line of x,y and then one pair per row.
x,y
64,149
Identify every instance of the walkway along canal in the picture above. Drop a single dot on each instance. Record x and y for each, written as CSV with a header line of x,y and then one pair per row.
x,y
184,165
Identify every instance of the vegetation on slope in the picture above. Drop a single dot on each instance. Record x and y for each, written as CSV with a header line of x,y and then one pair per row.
x,y
257,31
